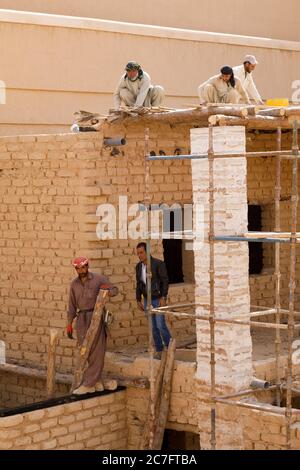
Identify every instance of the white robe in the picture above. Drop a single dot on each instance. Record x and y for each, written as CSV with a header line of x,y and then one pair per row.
x,y
139,88
247,82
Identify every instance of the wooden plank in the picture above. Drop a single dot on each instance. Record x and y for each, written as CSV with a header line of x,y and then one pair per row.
x,y
53,339
149,429
165,397
89,339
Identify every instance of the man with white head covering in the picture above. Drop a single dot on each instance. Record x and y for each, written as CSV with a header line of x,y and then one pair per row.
x,y
244,73
135,90
83,295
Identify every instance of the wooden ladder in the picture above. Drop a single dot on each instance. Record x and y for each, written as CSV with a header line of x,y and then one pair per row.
x,y
153,434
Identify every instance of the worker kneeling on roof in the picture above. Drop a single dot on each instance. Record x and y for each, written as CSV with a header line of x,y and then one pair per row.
x,y
223,88
135,89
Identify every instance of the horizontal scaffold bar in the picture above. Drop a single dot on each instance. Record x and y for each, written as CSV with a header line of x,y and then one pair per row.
x,y
204,156
252,239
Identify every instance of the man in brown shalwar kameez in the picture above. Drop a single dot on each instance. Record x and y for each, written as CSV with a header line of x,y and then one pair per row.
x,y
83,295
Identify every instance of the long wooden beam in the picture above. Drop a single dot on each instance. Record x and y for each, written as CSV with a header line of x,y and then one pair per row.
x,y
252,122
186,115
147,437
222,114
165,397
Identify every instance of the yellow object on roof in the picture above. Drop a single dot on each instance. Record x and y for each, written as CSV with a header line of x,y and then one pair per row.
x,y
278,102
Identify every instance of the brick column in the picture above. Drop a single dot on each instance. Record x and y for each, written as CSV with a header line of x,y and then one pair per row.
x,y
232,342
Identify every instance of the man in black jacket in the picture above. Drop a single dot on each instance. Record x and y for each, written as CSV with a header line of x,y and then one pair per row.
x,y
159,293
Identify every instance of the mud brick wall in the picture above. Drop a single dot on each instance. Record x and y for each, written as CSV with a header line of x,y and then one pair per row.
x,y
17,390
267,431
261,191
95,423
183,402
50,188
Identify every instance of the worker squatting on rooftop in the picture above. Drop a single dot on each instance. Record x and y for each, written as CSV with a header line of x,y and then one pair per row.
x,y
233,85
82,299
223,88
135,89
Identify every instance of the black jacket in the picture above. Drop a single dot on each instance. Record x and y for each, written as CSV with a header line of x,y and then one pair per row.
x,y
159,280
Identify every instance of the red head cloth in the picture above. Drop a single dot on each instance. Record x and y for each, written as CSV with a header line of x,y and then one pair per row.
x,y
80,262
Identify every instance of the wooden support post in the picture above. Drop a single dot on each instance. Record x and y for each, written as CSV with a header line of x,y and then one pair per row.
x,y
51,363
165,397
89,339
150,421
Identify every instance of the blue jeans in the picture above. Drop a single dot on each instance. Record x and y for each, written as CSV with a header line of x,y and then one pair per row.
x,y
160,332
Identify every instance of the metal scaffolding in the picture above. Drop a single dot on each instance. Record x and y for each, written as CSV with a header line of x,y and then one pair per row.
x,y
276,237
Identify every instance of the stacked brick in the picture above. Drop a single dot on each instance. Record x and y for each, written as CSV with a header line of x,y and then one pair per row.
x,y
96,423
17,390
50,188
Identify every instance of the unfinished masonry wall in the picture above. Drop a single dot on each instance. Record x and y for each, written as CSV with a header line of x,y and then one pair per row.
x,y
96,423
258,430
50,188
232,343
17,390
261,191
183,403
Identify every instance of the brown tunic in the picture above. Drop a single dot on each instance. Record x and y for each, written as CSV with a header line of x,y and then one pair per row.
x,y
82,301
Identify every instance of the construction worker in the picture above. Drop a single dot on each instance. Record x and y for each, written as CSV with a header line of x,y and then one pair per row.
x,y
159,293
82,299
135,89
244,73
223,88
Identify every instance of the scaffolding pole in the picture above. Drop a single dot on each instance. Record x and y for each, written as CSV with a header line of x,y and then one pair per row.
x,y
276,238
204,156
212,322
226,320
292,285
149,299
277,267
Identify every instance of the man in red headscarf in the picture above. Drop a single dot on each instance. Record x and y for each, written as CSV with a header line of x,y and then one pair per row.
x,y
83,295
